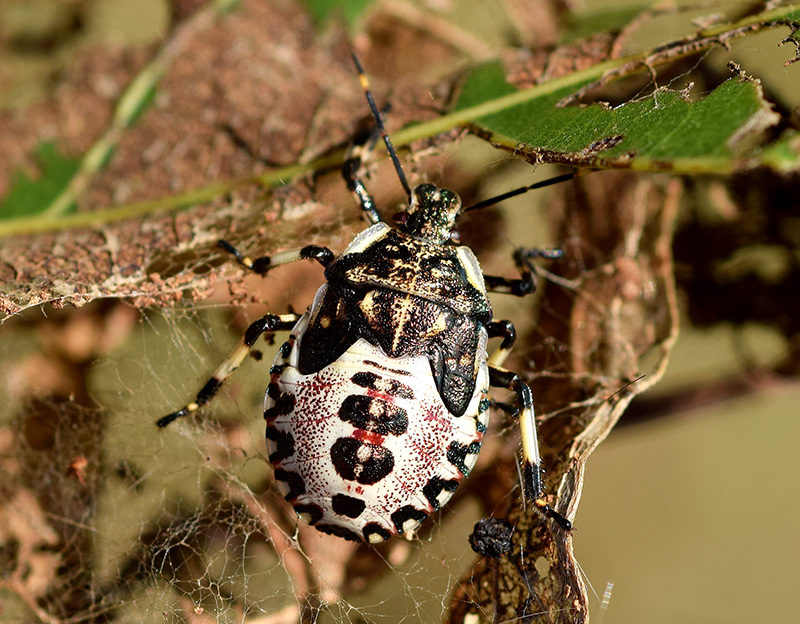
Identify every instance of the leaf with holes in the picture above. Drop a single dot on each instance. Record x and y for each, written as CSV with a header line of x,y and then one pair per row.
x,y
666,131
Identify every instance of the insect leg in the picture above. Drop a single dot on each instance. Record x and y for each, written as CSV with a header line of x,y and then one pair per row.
x,y
261,265
507,408
350,174
531,470
504,329
526,284
266,324
502,378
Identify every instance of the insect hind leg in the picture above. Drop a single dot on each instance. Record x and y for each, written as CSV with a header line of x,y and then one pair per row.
x,y
532,482
266,324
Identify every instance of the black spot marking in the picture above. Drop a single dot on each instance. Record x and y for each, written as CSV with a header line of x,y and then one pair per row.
x,y
374,414
284,404
395,371
256,355
374,528
358,461
285,350
294,481
284,443
365,380
273,391
314,512
392,387
483,405
457,454
349,506
434,488
399,390
276,369
479,426
338,531
402,515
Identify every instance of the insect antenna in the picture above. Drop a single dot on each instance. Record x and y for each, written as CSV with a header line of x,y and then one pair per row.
x,y
519,191
362,77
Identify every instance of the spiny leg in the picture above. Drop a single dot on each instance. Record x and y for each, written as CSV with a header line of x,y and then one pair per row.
x,y
526,283
266,324
261,265
531,469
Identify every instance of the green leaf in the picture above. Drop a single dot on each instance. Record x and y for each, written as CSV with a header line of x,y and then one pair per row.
x,y
31,195
783,154
665,131
349,9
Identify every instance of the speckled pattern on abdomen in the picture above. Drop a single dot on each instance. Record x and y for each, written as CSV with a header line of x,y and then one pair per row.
x,y
375,450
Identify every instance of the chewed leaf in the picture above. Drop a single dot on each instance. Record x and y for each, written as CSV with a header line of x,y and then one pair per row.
x,y
664,131
31,195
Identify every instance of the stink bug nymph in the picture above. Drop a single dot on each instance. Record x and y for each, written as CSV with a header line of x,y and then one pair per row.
x,y
378,400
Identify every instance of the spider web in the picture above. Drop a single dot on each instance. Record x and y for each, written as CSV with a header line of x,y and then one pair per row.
x,y
108,519
187,524
233,548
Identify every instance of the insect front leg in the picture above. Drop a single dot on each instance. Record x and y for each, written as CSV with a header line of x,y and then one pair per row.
x,y
532,464
266,324
526,283
350,173
360,152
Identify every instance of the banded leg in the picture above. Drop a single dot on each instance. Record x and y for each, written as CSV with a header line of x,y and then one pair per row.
x,y
500,377
504,329
266,324
365,200
531,469
261,265
526,283
350,173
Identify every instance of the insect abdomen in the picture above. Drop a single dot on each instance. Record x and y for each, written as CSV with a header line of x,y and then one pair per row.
x,y
365,448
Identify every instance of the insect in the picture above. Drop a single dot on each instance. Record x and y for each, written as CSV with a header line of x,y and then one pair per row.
x,y
378,400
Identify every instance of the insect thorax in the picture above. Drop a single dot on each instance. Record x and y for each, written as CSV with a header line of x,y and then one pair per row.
x,y
410,298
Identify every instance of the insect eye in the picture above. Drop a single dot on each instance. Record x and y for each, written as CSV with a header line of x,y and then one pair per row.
x,y
400,217
455,236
